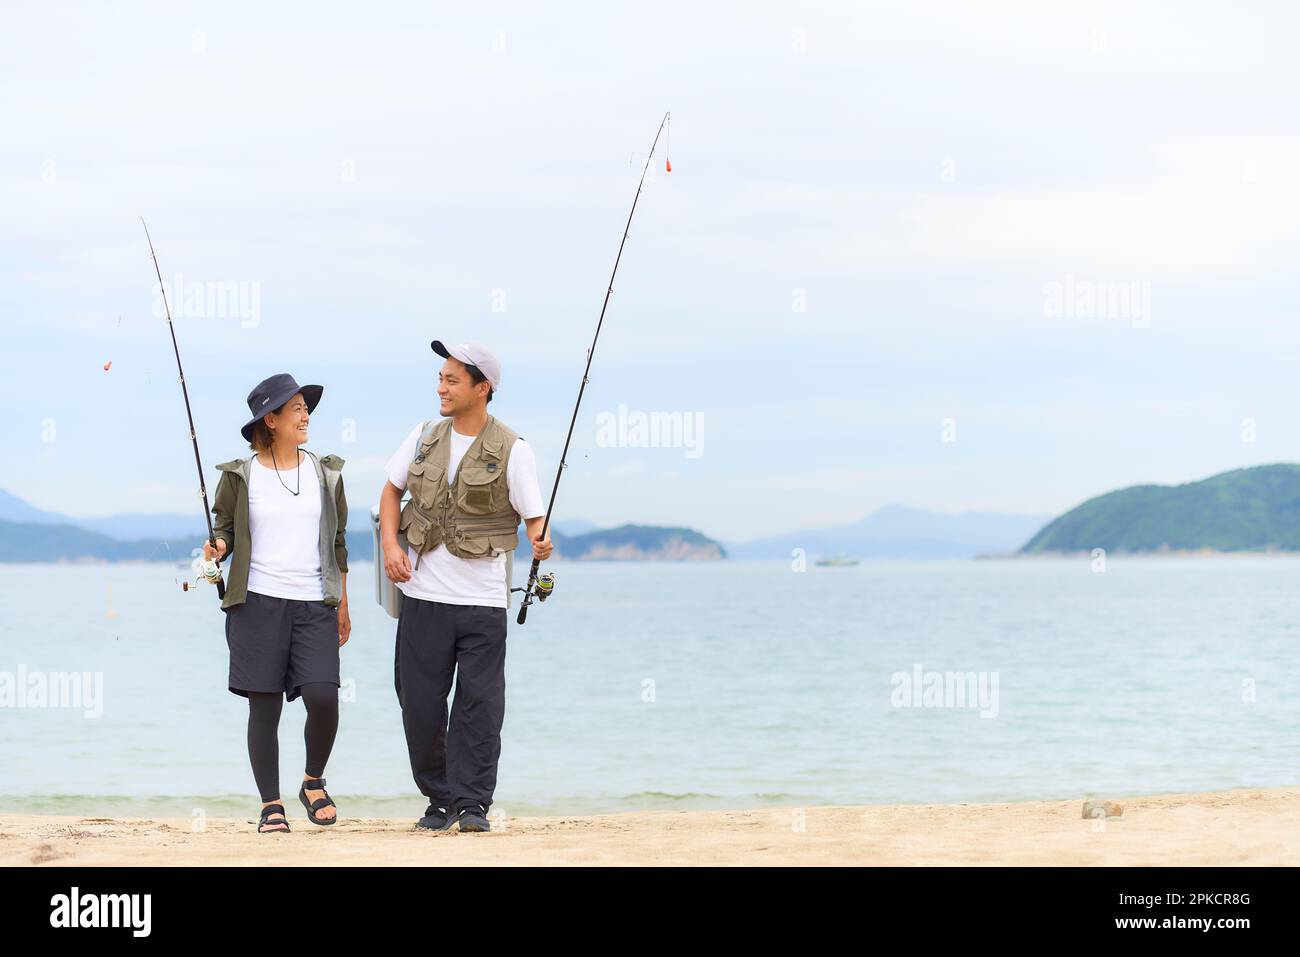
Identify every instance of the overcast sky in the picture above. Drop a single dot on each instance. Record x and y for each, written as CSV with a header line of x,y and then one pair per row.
x,y
954,256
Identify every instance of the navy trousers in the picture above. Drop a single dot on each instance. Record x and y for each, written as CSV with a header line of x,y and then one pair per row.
x,y
453,759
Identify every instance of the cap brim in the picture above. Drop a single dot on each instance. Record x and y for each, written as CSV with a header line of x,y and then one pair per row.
x,y
437,346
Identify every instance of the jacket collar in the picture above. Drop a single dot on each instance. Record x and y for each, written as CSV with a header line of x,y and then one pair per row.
x,y
331,463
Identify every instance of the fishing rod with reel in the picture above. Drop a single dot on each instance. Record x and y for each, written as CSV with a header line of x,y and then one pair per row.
x,y
209,570
544,585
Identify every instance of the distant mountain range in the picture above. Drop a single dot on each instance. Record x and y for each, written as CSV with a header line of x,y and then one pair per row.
x,y
121,527
47,542
896,531
1253,509
28,534
130,525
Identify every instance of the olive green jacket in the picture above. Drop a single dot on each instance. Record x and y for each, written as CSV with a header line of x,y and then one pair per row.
x,y
230,506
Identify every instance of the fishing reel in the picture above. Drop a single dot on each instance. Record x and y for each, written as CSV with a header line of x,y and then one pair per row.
x,y
206,570
542,588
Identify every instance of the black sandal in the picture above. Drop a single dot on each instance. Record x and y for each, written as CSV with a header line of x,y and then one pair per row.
x,y
316,784
266,813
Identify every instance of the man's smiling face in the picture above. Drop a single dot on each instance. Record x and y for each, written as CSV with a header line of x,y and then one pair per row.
x,y
457,392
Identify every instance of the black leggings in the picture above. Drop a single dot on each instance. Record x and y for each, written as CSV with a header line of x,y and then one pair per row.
x,y
321,699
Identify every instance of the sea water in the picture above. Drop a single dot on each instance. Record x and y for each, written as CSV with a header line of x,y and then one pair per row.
x,y
697,685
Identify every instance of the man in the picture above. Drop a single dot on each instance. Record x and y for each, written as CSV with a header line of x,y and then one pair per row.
x,y
471,478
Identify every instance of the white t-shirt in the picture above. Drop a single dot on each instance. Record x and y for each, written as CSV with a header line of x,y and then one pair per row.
x,y
442,576
284,561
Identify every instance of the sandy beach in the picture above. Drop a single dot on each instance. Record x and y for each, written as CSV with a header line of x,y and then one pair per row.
x,y
1244,827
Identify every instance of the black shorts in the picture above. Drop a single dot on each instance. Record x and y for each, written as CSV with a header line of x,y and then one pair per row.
x,y
281,644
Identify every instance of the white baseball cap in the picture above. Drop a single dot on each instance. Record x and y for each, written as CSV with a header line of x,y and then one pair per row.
x,y
473,354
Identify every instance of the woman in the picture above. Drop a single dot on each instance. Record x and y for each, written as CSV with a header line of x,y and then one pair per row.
x,y
281,518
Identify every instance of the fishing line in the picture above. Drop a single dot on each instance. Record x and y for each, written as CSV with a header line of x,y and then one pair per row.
x,y
195,564
209,569
542,586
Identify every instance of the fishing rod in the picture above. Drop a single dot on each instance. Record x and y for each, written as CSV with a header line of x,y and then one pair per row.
x,y
209,569
543,588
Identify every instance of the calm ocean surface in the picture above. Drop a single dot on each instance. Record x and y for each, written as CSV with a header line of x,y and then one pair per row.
x,y
712,685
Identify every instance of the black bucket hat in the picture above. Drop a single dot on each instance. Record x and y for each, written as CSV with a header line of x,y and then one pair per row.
x,y
271,393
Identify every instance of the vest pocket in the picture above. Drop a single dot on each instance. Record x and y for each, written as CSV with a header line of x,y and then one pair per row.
x,y
416,528
466,548
422,481
477,490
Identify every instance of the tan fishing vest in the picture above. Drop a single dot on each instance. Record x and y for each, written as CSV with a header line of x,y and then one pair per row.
x,y
473,516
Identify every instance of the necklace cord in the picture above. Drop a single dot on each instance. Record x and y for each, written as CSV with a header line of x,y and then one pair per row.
x,y
277,473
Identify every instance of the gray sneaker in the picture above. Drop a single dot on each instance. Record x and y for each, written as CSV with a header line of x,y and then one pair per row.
x,y
436,819
473,818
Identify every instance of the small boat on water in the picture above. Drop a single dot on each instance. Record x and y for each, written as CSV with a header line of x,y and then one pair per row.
x,y
836,561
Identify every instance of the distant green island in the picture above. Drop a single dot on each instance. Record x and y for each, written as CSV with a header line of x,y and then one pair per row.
x,y
635,543
1245,510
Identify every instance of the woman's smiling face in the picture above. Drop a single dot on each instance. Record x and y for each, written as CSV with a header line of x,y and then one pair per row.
x,y
290,420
